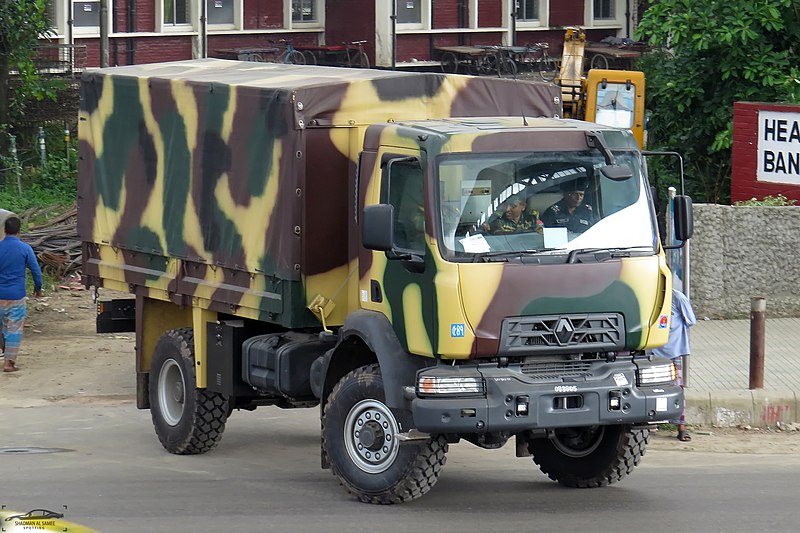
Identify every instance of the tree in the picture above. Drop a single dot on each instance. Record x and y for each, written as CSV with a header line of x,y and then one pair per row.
x,y
709,54
22,23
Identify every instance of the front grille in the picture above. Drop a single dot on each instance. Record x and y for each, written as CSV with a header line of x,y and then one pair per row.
x,y
575,333
547,370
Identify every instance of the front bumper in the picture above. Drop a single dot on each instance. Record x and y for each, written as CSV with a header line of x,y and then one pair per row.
x,y
515,402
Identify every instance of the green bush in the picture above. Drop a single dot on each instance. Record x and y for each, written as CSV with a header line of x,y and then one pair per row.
x,y
52,184
779,200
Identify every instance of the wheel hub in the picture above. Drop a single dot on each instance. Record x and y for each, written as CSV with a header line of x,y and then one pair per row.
x,y
369,436
578,442
171,392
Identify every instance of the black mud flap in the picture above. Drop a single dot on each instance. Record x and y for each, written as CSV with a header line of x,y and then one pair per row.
x,y
116,316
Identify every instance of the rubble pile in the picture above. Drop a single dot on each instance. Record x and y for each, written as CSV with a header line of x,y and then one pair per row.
x,y
54,241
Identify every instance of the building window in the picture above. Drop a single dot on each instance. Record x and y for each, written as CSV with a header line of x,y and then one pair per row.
x,y
604,10
220,11
86,14
527,10
605,13
409,11
304,11
176,12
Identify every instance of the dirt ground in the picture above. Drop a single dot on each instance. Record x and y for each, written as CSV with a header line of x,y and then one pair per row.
x,y
64,361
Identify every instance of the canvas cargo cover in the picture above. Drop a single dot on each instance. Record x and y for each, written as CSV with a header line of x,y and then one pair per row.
x,y
213,162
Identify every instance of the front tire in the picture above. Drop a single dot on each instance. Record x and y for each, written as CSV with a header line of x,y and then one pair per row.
x,y
359,437
589,457
187,420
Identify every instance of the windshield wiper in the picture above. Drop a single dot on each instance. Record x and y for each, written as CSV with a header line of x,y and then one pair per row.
x,y
600,253
505,254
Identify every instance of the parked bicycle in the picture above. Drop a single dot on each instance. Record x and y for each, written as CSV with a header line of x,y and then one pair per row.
x,y
281,51
345,55
496,60
535,58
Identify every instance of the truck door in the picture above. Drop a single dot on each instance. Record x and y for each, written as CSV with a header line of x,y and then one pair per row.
x,y
399,280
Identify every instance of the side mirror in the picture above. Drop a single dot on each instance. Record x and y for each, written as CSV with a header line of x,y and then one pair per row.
x,y
616,172
377,227
683,217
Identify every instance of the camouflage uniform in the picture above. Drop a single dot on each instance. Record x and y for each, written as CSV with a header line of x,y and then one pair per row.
x,y
529,221
557,215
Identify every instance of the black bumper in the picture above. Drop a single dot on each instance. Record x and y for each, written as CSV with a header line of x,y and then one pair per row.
x,y
515,402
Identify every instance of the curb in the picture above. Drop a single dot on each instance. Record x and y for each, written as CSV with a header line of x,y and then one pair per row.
x,y
731,408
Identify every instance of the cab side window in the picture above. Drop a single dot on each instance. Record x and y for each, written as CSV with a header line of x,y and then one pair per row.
x,y
406,195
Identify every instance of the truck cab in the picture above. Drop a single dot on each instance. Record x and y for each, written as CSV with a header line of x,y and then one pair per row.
x,y
537,330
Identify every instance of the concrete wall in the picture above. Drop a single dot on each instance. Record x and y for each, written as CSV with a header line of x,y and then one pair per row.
x,y
741,252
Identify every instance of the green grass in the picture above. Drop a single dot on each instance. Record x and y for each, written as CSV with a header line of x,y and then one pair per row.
x,y
51,189
49,283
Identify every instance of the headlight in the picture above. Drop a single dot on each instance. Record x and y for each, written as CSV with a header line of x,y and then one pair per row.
x,y
657,374
450,386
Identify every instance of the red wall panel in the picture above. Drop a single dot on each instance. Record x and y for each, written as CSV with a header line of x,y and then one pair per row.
x,y
490,14
263,14
744,184
446,14
567,12
351,20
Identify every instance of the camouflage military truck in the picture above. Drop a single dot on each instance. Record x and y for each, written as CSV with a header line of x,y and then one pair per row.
x,y
301,236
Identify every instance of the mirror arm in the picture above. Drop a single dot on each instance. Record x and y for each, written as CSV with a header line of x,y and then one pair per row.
x,y
594,139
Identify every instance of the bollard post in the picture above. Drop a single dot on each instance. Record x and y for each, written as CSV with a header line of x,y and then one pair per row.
x,y
758,307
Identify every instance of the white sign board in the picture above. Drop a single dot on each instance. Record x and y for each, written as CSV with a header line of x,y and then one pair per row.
x,y
778,147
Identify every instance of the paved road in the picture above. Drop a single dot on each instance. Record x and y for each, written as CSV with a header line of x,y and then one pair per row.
x,y
265,476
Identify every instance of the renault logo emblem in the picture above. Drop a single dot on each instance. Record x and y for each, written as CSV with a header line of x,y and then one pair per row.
x,y
564,330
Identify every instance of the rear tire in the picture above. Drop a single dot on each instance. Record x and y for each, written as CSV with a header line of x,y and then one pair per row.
x,y
187,420
590,457
295,58
359,438
361,60
309,57
549,69
506,68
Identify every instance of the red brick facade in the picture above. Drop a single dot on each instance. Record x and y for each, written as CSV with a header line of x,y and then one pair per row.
x,y
345,21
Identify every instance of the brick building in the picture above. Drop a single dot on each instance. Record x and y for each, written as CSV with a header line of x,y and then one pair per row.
x,y
408,32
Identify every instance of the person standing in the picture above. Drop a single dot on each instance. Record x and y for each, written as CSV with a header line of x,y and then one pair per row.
x,y
15,257
677,347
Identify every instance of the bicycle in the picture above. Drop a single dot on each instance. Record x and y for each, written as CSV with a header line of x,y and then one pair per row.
x,y
359,58
344,55
287,55
535,58
495,59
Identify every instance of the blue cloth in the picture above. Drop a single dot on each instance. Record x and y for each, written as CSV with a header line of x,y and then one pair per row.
x,y
15,256
682,319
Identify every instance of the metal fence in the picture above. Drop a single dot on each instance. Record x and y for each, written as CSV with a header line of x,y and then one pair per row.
x,y
60,58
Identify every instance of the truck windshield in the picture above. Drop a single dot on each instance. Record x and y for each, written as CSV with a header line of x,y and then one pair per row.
x,y
547,203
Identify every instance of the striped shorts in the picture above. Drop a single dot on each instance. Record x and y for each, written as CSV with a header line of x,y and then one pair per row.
x,y
12,318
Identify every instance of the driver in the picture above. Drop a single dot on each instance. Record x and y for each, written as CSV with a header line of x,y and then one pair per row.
x,y
571,212
516,218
